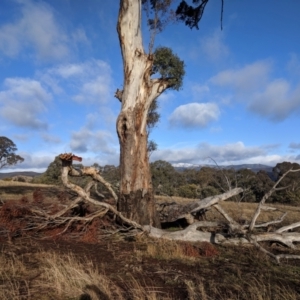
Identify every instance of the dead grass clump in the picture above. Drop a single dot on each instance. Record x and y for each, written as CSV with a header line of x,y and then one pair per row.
x,y
208,250
138,290
253,289
169,250
90,232
14,277
65,276
62,197
12,217
38,196
58,277
49,275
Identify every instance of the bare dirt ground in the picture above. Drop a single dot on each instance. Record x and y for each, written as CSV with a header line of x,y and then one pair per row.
x,y
102,265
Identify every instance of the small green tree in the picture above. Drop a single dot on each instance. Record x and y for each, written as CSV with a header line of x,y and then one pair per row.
x,y
52,174
188,191
291,192
8,157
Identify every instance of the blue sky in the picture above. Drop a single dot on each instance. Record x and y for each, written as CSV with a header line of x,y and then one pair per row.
x,y
240,103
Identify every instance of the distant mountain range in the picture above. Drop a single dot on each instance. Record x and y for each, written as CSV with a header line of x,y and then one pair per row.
x,y
179,167
253,167
12,174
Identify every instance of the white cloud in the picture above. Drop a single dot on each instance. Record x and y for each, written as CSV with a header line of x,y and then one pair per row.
x,y
51,139
36,28
274,99
23,101
21,137
294,145
85,140
214,47
87,82
216,129
277,101
245,79
293,64
99,146
88,140
198,91
223,154
35,162
195,115
79,36
68,70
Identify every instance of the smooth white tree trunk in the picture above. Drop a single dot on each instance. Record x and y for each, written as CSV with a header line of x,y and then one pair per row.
x,y
139,90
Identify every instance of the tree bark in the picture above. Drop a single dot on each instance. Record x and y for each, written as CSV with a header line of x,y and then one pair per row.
x,y
139,90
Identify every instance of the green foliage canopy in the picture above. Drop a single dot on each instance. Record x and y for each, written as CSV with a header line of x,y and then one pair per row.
x,y
7,153
169,66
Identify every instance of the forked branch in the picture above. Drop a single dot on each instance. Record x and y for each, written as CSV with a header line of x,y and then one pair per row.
x,y
266,197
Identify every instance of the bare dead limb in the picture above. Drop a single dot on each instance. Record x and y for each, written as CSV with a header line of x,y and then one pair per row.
x,y
266,196
277,257
97,192
190,233
236,234
210,201
86,197
266,224
288,227
170,212
94,173
287,238
224,214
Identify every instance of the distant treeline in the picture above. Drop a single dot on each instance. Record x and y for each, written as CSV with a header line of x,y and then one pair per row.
x,y
200,183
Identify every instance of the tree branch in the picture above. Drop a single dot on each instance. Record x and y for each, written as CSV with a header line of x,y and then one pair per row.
x,y
266,196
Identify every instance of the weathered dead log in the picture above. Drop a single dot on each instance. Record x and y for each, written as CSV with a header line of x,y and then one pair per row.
x,y
171,212
235,234
261,204
190,234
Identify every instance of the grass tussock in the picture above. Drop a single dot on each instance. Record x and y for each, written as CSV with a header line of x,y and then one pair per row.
x,y
69,278
46,275
57,277
177,250
253,289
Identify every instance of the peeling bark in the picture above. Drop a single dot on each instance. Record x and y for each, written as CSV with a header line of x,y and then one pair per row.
x,y
136,199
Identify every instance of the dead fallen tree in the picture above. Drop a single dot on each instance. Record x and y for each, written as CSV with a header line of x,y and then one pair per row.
x,y
171,212
225,232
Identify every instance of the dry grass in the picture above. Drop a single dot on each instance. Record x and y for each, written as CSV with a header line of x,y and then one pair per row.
x,y
57,277
253,289
170,250
48,275
206,270
244,211
137,291
4,183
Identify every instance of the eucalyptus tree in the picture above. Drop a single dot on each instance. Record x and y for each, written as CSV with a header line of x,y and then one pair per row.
x,y
147,74
8,157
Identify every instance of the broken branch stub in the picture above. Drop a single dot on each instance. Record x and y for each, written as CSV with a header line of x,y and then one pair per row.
x,y
67,159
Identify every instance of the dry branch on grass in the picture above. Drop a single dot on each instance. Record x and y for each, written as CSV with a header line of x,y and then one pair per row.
x,y
234,234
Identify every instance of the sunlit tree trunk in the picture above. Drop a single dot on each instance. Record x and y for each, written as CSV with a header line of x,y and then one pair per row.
x,y
139,90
